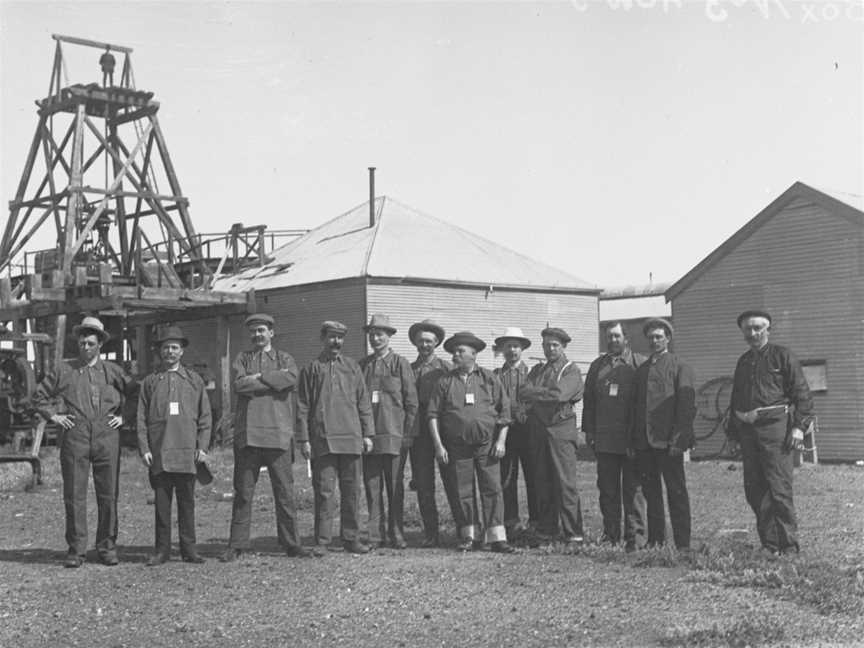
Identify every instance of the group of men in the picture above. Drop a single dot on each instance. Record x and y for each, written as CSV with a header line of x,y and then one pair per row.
x,y
359,423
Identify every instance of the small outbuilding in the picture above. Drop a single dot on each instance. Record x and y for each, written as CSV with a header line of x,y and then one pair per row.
x,y
802,259
411,266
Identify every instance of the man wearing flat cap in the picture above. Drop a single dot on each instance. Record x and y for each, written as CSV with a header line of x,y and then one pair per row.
x,y
174,425
390,383
520,447
608,387
335,428
426,336
85,398
660,421
265,382
467,408
771,408
552,389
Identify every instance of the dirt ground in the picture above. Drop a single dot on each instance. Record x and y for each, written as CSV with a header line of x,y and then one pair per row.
x,y
726,593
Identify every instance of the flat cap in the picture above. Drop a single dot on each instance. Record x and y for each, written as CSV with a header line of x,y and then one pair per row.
x,y
260,317
558,333
334,326
464,337
658,322
753,313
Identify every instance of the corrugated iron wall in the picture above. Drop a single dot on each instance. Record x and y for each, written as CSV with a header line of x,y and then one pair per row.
x,y
805,267
487,314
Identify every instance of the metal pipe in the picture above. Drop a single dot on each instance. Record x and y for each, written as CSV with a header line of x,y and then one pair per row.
x,y
371,196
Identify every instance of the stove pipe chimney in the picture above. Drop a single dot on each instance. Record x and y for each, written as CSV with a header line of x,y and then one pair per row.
x,y
371,196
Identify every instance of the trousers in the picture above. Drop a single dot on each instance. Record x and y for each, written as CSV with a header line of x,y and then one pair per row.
x,y
90,445
248,462
326,470
165,484
381,474
557,490
768,470
652,465
521,450
464,462
619,488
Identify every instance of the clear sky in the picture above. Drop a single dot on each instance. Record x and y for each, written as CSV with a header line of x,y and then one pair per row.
x,y
611,138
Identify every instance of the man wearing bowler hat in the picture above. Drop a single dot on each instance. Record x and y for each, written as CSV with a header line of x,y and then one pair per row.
x,y
552,389
265,383
85,398
335,429
174,424
390,383
426,336
467,407
771,408
520,447
662,409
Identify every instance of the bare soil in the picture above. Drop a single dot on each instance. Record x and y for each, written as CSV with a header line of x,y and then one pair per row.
x,y
726,593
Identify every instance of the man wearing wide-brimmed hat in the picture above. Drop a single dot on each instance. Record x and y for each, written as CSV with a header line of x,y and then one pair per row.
x,y
520,447
662,410
426,336
335,428
552,389
390,383
265,381
771,408
85,398
174,424
469,414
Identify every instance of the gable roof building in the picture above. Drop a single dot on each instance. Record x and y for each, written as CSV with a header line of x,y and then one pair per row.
x,y
802,259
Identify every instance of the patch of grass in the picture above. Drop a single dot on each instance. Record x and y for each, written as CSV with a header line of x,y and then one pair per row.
x,y
754,630
825,587
665,556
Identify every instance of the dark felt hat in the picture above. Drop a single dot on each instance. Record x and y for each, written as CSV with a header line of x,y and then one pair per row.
x,y
170,333
333,325
753,313
91,325
203,473
429,326
464,337
658,322
264,318
380,321
558,333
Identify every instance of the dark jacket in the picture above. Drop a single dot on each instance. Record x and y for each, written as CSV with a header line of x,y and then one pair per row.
x,y
513,378
470,410
663,404
87,393
390,383
172,433
266,406
769,376
552,389
608,389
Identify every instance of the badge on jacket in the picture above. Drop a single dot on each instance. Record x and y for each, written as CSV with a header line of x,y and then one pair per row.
x,y
469,399
613,389
174,408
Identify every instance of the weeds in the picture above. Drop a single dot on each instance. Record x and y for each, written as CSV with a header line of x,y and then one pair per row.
x,y
753,630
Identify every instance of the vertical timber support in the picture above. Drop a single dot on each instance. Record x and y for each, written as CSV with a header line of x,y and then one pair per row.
x,y
223,337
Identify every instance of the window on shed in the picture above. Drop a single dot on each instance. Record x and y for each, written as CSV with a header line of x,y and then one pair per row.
x,y
816,373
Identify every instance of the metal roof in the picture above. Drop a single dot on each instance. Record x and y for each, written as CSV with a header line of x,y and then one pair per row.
x,y
404,244
846,205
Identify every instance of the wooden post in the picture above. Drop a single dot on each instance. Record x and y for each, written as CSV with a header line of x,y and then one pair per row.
x,y
59,341
142,349
223,336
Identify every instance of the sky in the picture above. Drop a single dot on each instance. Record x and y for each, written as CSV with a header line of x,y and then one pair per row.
x,y
614,139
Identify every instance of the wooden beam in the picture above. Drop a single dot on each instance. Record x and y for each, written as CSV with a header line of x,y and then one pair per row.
x,y
91,43
133,116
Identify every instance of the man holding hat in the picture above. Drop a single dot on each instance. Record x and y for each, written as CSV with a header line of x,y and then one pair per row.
x,y
174,423
771,408
265,384
520,447
390,383
335,429
467,406
552,389
428,368
608,387
85,398
662,409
